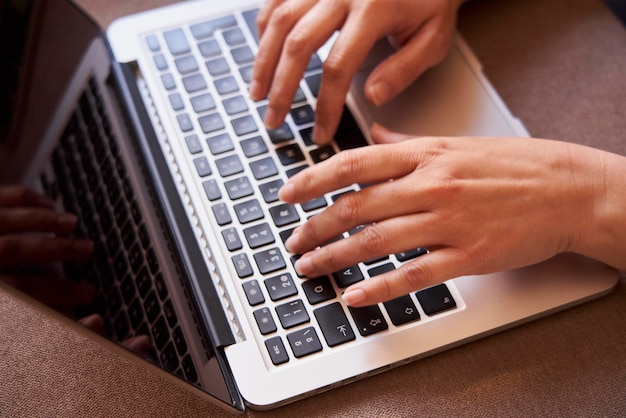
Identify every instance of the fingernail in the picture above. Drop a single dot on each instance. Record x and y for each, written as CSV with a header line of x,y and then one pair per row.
x,y
271,119
304,266
255,90
319,135
353,296
287,192
67,221
379,93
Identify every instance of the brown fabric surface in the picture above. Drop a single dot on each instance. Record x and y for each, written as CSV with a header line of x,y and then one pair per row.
x,y
560,66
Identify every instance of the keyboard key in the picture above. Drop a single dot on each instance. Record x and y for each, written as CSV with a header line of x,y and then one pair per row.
x,y
303,115
314,204
193,144
211,123
202,166
234,36
184,122
238,188
226,85
402,310
227,166
369,320
222,216
281,134
322,153
382,269
248,211
153,43
242,265
269,261
220,143
318,290
250,17
253,146
160,333
176,41
253,293
160,62
334,324
186,64
242,55
264,321
293,171
284,214
280,287
315,63
258,235
235,105
290,154
231,238
176,101
408,255
168,81
194,83
276,350
209,48
270,190
436,299
217,66
202,103
348,276
212,190
304,342
263,168
244,125
207,28
246,73
314,82
292,313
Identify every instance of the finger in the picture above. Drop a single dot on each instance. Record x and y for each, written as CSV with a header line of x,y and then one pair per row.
x,y
140,344
370,164
387,237
281,23
36,220
55,292
264,14
12,196
424,50
94,322
21,249
430,269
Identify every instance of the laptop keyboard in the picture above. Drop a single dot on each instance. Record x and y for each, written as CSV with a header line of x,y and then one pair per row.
x,y
90,178
204,70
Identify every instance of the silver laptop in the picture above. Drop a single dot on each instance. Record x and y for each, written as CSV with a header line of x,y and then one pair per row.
x,y
147,133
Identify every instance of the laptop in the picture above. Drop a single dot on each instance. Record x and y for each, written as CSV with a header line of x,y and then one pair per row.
x,y
147,133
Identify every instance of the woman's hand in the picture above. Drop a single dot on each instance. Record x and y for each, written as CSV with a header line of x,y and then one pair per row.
x,y
291,31
479,206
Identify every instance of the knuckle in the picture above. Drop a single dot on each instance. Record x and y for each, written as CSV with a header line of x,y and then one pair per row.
x,y
283,16
374,241
349,163
297,43
416,275
334,68
349,208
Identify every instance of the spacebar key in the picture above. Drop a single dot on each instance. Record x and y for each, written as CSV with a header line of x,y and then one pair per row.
x,y
334,324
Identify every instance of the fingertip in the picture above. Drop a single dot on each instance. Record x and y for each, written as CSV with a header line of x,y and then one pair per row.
x,y
287,193
378,93
354,297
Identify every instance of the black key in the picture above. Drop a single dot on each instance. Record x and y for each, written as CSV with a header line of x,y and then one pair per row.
x,y
276,350
202,103
317,203
202,166
209,48
246,73
382,269
408,255
235,105
234,36
307,136
259,235
253,293
186,64
281,134
226,85
176,41
290,154
280,287
270,190
227,166
375,260
170,313
265,321
212,190
194,83
284,214
304,342
238,188
160,333
207,28
153,262
217,66
253,146
284,235
231,238
151,304
248,211
244,125
222,216
193,144
135,313
168,81
348,276
348,134
211,123
184,122
220,144
263,168
292,313
169,358
179,341
315,63
334,324
144,282
159,285
269,260
318,290
293,171
369,320
242,55
402,310
299,96
189,369
322,154
314,81
242,265
303,115
250,17
136,258
436,299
